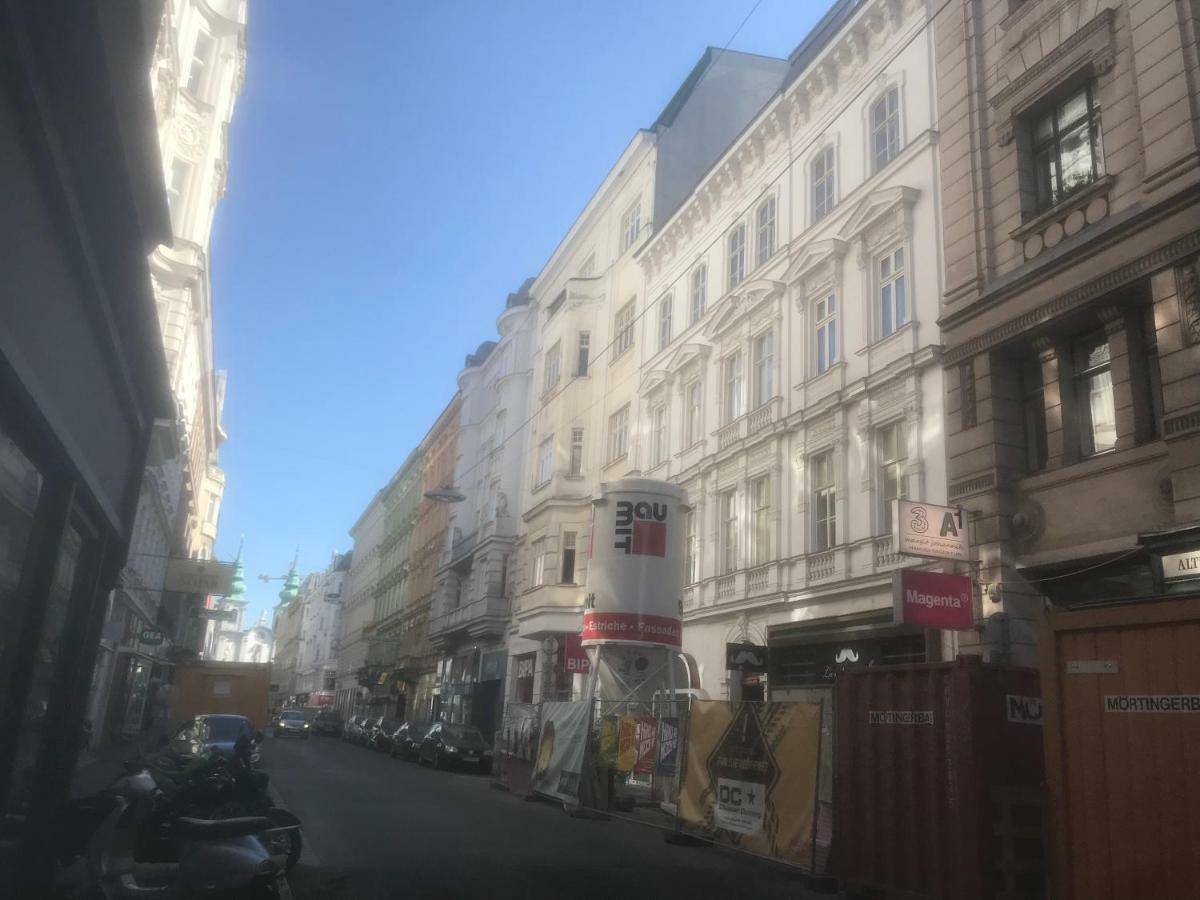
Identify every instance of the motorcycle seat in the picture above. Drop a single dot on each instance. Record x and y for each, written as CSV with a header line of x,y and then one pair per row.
x,y
217,829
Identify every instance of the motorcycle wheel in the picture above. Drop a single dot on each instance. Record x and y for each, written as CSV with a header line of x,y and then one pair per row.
x,y
285,848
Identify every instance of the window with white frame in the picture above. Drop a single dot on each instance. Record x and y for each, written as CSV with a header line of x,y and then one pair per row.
x,y
664,321
763,360
631,225
553,367
501,428
824,502
545,461
823,184
893,296
589,265
735,246
699,291
623,329
568,558
539,562
825,325
176,188
885,129
694,420
585,344
1096,419
760,520
659,440
201,59
891,447
764,228
576,462
729,531
731,378
691,562
618,434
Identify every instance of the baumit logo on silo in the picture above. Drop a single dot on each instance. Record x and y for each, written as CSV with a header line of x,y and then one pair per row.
x,y
641,528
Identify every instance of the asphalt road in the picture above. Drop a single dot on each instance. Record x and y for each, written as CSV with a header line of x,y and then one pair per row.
x,y
376,827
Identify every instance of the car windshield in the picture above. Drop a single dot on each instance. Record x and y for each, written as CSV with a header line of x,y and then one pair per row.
x,y
225,728
293,716
464,735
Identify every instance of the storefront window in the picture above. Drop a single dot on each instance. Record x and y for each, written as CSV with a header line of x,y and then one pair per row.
x,y
20,488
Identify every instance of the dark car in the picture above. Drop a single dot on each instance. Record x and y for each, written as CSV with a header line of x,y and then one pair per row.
x,y
446,745
215,733
379,736
406,742
292,722
327,721
355,730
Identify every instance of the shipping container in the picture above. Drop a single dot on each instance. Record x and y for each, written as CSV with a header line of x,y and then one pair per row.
x,y
1123,750
222,687
938,788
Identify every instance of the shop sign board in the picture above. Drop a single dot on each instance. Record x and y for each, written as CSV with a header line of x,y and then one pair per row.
x,y
635,566
198,576
746,658
216,615
1024,710
574,658
929,530
1181,566
932,599
151,637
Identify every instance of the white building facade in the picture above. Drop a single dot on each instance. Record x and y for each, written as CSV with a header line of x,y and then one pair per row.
x,y
320,601
358,610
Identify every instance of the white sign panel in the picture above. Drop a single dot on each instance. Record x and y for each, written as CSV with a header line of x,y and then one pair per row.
x,y
900,717
741,805
1178,566
1024,710
1092,667
198,576
1149,703
928,530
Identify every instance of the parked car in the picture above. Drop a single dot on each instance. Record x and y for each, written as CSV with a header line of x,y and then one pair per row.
x,y
406,742
379,737
446,745
355,731
291,722
210,733
327,721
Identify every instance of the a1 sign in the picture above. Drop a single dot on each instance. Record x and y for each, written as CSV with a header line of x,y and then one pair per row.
x,y
933,600
925,529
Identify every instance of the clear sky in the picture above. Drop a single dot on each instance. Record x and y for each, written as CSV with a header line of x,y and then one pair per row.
x,y
397,168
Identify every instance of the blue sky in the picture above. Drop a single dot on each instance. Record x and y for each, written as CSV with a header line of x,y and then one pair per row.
x,y
396,170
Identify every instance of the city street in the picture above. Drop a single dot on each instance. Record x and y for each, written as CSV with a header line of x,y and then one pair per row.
x,y
377,827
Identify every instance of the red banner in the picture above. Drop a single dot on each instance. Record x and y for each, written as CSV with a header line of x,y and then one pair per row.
x,y
631,628
647,744
574,658
933,599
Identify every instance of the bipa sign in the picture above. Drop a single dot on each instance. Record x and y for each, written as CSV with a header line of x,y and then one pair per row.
x,y
932,599
924,529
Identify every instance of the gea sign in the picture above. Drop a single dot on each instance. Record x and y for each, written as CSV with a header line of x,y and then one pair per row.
x,y
935,532
932,600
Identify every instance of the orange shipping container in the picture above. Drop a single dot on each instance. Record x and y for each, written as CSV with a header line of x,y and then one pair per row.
x,y
1122,713
222,687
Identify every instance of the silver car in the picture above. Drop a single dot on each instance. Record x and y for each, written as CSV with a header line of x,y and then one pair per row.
x,y
292,722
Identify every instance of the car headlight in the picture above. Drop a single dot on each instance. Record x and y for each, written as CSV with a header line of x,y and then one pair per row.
x,y
451,749
306,726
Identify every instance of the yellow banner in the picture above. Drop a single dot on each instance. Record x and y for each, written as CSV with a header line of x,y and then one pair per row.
x,y
751,776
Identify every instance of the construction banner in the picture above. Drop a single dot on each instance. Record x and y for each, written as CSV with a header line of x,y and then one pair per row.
x,y
750,776
559,761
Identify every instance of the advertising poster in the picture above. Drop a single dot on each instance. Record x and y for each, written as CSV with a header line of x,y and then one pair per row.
x,y
751,776
610,727
647,744
627,744
559,760
668,745
515,746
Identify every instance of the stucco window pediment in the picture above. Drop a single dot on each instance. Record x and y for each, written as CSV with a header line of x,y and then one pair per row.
x,y
881,215
748,296
818,265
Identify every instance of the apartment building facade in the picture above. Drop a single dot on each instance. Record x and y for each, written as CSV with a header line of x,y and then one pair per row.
x,y
1070,164
358,611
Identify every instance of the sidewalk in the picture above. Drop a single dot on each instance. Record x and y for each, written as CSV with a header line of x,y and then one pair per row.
x,y
97,769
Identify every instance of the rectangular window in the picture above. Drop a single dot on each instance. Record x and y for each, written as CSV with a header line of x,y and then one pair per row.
x,y
201,55
660,434
822,184
545,461
1033,411
623,329
1094,395
553,369
731,376
694,411
523,669
825,323
736,255
568,557
1153,373
177,187
585,343
885,129
664,322
631,225
539,562
618,434
699,292
764,222
589,265
763,350
691,564
211,515
824,495
729,531
576,452
892,450
893,302
1067,154
760,519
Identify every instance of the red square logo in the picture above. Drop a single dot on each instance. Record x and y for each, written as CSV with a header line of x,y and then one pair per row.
x,y
649,538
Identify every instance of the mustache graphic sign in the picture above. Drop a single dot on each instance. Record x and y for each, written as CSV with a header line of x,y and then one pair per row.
x,y
745,658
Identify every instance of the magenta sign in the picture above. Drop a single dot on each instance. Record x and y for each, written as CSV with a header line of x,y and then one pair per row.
x,y
933,600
